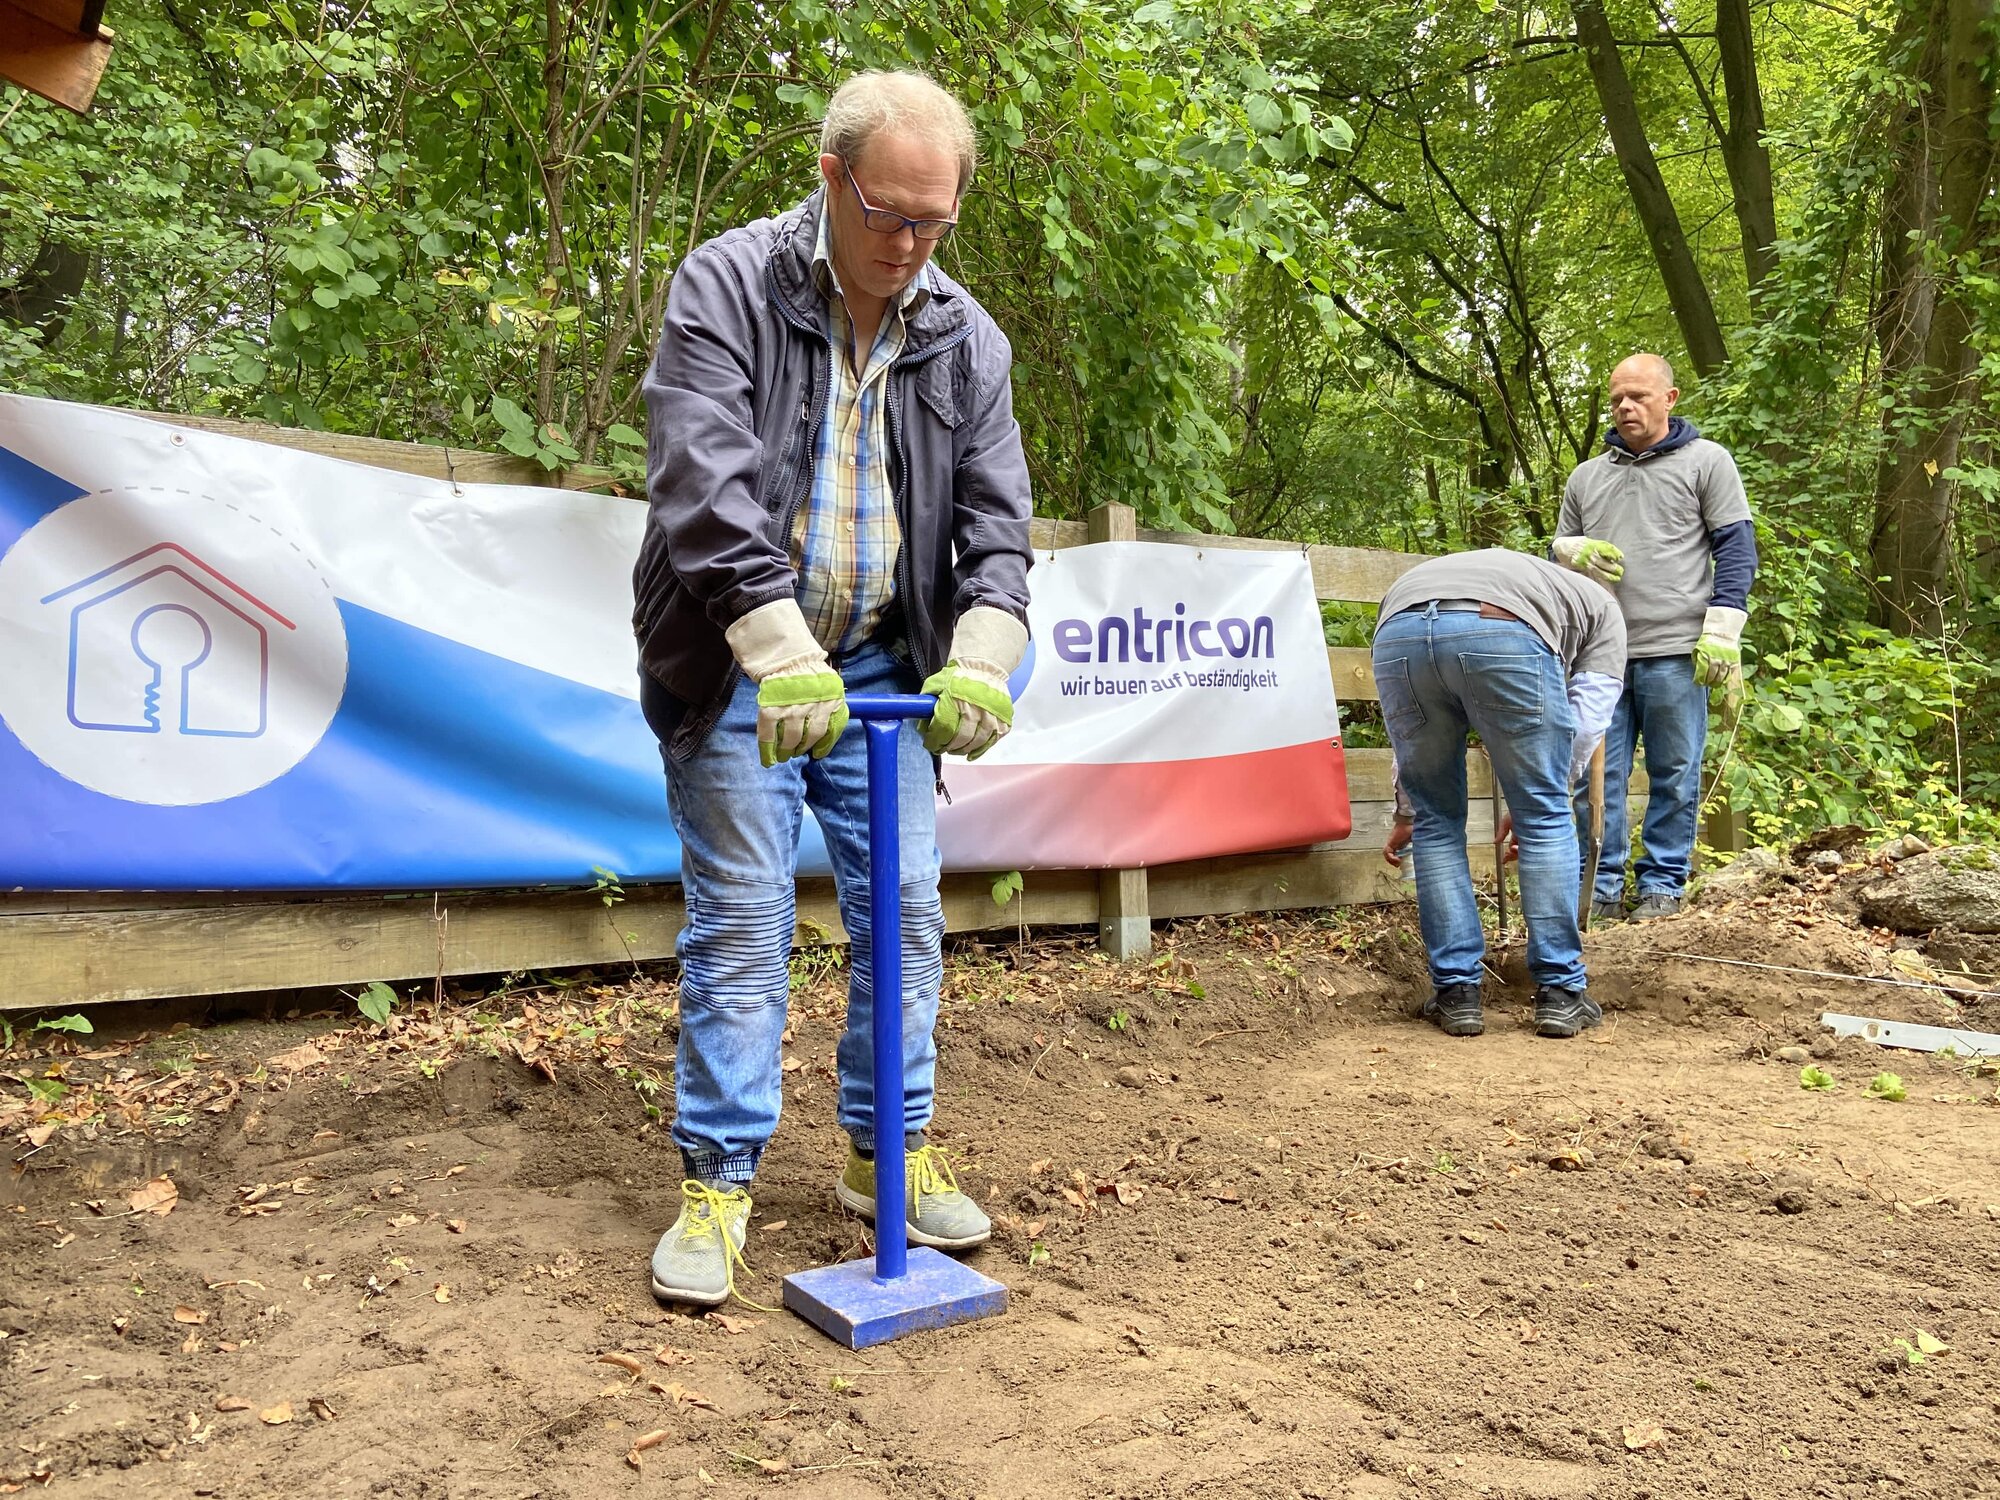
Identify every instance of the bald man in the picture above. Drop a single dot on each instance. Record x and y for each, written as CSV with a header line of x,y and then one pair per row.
x,y
1660,519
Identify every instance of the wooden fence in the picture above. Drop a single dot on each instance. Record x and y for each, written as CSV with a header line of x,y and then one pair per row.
x,y
75,949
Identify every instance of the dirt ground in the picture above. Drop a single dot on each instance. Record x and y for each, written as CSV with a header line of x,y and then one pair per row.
x,y
1264,1236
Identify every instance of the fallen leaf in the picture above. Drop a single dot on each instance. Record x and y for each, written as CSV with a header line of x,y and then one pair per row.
x,y
189,1315
1128,1193
774,1226
1643,1435
456,1226
772,1465
790,1065
703,1475
299,1058
680,1395
1930,1343
157,1197
226,1346
1040,1168
1472,1236
1529,1332
276,1416
623,1361
1035,1228
441,1292
121,1324
403,1221
668,1355
652,1439
734,1325
323,1409
231,1403
68,1238
1075,1197
191,1344
39,1135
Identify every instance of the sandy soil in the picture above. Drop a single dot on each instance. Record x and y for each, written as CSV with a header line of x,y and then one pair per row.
x,y
1264,1235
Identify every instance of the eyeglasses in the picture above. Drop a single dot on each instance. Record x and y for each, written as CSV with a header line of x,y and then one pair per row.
x,y
887,221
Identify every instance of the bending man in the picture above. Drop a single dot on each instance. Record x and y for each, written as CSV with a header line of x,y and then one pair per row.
x,y
1529,657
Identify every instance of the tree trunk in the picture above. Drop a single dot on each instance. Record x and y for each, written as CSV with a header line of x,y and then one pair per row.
x,y
1743,150
1947,160
1686,291
41,298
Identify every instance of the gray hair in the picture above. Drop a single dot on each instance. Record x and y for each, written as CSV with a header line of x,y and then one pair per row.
x,y
907,103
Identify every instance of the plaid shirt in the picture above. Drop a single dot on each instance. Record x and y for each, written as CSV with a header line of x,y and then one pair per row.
x,y
846,539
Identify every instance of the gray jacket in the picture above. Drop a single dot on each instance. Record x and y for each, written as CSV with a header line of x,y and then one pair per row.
x,y
735,395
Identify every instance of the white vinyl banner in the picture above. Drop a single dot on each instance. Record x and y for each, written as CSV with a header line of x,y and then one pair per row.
x,y
230,665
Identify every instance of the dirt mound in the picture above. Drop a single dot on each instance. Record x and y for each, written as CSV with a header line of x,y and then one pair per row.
x,y
1264,1237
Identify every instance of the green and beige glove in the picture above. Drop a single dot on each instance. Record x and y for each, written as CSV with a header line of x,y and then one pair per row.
x,y
1602,561
1718,654
1718,658
801,701
973,706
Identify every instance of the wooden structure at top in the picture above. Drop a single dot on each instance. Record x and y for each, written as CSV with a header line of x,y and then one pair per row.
x,y
55,48
73,949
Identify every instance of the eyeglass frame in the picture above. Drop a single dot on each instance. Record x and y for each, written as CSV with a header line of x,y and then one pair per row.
x,y
869,213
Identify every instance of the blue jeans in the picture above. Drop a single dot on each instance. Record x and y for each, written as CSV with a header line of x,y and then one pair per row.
x,y
1664,706
1441,674
739,829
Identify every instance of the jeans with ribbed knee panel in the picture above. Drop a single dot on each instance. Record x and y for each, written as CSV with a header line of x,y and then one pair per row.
x,y
739,824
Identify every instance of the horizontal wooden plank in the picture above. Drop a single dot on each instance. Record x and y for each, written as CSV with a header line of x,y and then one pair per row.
x,y
1356,575
465,465
58,958
1334,876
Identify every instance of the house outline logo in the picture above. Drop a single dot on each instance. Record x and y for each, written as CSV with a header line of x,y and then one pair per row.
x,y
168,646
249,629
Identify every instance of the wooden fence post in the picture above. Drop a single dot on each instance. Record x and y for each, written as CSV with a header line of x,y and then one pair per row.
x,y
1124,916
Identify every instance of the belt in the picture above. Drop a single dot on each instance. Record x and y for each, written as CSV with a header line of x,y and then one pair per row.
x,y
1472,607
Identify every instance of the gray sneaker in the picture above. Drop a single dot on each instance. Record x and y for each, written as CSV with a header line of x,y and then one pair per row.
x,y
1655,904
1607,911
696,1260
939,1214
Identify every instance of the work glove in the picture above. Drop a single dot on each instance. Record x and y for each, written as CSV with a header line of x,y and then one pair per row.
x,y
801,701
973,706
1718,654
1602,561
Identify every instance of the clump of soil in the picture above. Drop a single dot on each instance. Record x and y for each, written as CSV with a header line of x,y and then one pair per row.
x,y
1264,1235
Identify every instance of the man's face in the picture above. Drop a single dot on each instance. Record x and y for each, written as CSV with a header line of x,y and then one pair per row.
x,y
1641,401
903,175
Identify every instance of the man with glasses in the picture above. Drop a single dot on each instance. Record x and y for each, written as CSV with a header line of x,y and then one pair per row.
x,y
838,504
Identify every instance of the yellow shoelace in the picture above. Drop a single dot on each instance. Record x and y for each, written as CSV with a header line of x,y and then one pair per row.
x,y
933,1174
708,1213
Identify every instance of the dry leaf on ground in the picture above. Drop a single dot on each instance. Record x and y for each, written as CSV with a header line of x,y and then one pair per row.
x,y
157,1197
680,1395
186,1314
1643,1435
276,1416
231,1403
623,1361
299,1058
734,1325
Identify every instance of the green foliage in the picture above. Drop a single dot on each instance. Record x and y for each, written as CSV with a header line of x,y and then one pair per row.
x,y
1816,1078
376,1002
75,1024
1006,887
1887,1086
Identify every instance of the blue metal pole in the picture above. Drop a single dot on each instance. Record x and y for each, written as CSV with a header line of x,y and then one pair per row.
x,y
885,916
883,717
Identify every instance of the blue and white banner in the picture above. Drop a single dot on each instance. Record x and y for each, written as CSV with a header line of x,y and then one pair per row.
x,y
227,665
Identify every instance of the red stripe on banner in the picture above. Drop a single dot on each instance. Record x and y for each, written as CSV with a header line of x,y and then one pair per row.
x,y
1142,813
